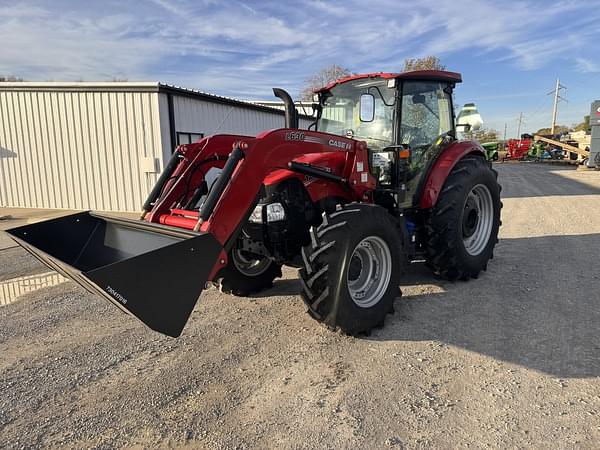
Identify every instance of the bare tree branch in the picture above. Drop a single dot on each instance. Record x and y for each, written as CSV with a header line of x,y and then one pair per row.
x,y
323,77
426,63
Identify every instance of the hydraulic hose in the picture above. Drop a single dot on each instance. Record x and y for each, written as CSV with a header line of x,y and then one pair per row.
x,y
220,184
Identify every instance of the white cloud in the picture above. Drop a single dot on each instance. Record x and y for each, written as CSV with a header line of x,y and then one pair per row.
x,y
229,47
585,65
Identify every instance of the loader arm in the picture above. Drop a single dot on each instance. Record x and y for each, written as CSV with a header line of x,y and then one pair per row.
x,y
253,159
249,161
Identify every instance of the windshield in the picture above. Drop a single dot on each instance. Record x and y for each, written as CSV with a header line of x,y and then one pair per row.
x,y
341,112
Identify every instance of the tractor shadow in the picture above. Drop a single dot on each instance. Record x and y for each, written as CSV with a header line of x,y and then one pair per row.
x,y
521,180
538,306
281,287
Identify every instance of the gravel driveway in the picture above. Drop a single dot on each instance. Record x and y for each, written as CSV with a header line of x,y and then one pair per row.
x,y
511,359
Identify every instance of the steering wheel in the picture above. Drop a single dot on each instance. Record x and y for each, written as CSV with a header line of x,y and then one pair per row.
x,y
417,157
413,136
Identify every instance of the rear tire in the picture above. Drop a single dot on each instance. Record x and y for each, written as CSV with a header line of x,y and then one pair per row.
x,y
462,227
244,275
352,268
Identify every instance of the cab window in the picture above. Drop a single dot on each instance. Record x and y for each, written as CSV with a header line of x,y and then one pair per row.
x,y
425,113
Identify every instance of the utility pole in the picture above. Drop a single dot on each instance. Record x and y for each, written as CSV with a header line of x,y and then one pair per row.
x,y
504,132
557,98
519,127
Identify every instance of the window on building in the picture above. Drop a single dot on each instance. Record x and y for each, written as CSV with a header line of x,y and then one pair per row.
x,y
188,138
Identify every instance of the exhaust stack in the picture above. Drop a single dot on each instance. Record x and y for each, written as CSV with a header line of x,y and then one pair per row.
x,y
291,115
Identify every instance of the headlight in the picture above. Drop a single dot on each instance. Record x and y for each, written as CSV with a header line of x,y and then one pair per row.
x,y
274,212
256,216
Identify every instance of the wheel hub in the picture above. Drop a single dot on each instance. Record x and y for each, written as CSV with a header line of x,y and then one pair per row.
x,y
477,219
369,271
249,266
470,217
355,268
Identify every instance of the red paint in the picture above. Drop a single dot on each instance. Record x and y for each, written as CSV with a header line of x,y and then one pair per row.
x,y
178,221
185,213
184,175
518,148
442,75
442,167
265,162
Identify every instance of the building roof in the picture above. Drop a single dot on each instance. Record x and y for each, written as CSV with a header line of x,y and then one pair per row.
x,y
131,86
81,86
194,93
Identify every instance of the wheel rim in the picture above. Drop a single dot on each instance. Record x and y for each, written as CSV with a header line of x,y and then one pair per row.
x,y
478,219
369,271
249,266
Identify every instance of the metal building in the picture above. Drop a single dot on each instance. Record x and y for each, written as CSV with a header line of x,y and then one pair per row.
x,y
101,146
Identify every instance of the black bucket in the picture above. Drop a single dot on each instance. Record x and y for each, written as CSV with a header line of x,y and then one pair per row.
x,y
152,271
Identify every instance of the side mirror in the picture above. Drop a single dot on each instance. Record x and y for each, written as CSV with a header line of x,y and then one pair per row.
x,y
367,108
465,127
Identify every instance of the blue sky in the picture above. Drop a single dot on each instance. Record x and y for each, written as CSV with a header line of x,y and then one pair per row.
x,y
509,52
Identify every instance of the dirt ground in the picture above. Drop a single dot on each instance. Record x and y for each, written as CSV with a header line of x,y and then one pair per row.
x,y
511,359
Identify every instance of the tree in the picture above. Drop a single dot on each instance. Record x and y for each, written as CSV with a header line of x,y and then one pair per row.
x,y
426,63
482,135
584,126
490,135
558,129
323,77
10,78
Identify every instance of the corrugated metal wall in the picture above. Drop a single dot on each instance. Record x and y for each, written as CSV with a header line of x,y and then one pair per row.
x,y
78,149
88,145
198,116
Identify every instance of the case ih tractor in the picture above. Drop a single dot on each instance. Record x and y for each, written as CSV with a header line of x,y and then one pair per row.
x,y
378,180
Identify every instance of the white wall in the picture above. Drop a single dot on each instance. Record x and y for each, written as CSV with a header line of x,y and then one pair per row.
x,y
87,145
77,149
202,116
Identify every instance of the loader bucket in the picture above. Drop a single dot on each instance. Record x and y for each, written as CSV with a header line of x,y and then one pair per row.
x,y
151,271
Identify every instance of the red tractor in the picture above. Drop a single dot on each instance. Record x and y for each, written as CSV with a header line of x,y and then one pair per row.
x,y
378,180
518,149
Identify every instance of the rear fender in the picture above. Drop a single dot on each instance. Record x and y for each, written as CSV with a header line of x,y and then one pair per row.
x,y
443,166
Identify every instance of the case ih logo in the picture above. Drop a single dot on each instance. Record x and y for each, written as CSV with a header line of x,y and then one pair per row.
x,y
598,112
339,144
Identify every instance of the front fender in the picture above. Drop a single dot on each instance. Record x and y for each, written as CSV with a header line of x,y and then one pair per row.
x,y
443,166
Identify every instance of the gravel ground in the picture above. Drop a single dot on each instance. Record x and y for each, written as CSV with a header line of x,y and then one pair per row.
x,y
511,359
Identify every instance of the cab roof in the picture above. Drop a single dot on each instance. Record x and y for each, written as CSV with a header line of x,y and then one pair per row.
x,y
439,75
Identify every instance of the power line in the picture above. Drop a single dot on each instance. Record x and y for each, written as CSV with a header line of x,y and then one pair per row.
x,y
557,98
520,119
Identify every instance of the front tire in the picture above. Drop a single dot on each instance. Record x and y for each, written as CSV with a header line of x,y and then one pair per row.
x,y
352,268
245,274
463,225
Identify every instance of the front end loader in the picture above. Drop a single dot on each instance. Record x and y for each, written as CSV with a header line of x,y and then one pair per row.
x,y
379,180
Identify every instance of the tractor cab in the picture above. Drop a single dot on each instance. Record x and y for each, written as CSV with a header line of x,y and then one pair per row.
x,y
401,117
